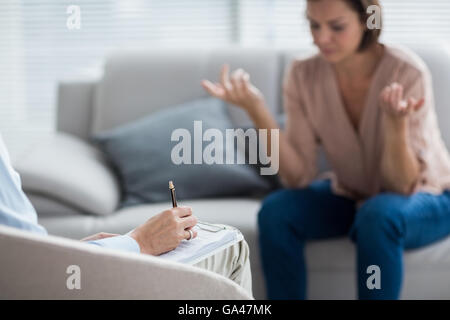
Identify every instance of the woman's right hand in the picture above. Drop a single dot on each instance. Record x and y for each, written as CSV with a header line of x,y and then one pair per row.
x,y
237,89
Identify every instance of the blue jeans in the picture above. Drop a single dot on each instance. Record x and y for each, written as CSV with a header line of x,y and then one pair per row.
x,y
381,228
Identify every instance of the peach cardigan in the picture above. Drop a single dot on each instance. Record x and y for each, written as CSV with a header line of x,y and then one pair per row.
x,y
315,115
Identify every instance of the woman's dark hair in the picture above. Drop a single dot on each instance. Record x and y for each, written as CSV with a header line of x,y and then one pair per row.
x,y
370,36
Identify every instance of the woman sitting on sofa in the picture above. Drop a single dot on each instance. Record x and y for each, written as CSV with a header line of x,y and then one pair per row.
x,y
370,106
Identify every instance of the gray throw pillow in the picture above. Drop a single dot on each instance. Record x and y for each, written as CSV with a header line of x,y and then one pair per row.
x,y
140,152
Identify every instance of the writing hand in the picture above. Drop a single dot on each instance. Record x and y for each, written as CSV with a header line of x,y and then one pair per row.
x,y
165,231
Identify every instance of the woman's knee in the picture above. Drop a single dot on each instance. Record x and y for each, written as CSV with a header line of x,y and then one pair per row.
x,y
381,214
272,208
286,210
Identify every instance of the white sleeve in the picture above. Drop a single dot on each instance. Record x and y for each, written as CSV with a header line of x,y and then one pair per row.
x,y
15,208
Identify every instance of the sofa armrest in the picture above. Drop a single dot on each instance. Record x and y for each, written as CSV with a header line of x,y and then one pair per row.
x,y
35,267
68,169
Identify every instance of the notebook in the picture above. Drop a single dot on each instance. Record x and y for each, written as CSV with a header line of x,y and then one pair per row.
x,y
210,240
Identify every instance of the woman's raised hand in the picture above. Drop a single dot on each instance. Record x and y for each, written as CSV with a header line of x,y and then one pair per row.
x,y
394,103
235,89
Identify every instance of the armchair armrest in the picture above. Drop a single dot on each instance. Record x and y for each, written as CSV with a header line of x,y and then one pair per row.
x,y
35,267
68,169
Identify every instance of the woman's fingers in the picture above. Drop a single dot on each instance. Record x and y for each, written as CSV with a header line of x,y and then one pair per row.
x,y
387,96
419,104
224,78
391,101
236,93
399,98
246,82
396,96
403,106
414,104
213,89
238,83
235,88
394,103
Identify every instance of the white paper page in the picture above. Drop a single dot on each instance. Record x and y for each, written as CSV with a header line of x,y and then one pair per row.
x,y
205,242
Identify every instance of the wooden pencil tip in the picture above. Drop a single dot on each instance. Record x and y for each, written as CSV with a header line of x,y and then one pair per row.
x,y
171,185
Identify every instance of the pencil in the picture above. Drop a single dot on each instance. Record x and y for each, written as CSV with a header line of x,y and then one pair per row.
x,y
172,194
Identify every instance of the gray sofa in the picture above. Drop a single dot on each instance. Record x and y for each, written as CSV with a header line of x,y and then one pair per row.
x,y
76,193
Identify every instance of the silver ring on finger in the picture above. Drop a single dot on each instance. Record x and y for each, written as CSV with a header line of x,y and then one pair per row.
x,y
191,235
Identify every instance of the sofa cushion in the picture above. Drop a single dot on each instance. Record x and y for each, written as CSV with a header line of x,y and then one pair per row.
x,y
141,151
68,169
331,267
47,206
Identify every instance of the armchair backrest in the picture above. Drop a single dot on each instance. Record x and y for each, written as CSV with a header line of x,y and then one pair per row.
x,y
36,267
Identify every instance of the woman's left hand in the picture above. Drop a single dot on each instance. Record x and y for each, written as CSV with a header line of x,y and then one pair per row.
x,y
395,105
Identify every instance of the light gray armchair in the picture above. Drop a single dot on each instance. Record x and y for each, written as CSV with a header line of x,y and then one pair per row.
x,y
36,267
76,193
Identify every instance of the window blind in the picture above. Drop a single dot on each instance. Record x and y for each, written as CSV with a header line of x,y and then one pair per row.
x,y
37,49
282,23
